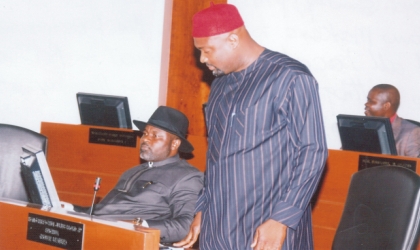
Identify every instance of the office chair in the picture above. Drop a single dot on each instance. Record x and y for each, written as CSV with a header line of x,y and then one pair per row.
x,y
12,139
414,122
381,210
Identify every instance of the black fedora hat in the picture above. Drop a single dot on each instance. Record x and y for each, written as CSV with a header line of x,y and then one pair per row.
x,y
172,121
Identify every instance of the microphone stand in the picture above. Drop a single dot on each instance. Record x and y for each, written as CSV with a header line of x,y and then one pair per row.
x,y
96,187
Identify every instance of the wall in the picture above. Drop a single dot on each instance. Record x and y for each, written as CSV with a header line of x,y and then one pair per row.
x,y
50,50
349,46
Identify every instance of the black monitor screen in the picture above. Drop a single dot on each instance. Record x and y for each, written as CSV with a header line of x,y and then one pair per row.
x,y
366,134
104,110
37,178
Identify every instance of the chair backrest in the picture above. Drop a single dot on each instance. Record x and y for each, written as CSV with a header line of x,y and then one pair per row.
x,y
12,139
381,210
414,122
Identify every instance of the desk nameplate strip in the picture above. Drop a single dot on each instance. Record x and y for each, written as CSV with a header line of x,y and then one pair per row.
x,y
113,137
55,232
366,161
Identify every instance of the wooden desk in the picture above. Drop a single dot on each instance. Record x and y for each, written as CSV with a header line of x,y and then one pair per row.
x,y
98,234
75,163
331,196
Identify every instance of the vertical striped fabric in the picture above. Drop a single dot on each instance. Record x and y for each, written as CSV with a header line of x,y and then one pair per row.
x,y
266,153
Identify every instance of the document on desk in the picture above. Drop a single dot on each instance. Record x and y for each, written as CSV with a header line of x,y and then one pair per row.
x,y
165,247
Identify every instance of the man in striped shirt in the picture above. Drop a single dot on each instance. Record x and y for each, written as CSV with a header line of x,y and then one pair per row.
x,y
266,141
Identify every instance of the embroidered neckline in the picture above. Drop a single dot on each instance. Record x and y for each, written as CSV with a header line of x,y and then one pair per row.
x,y
172,159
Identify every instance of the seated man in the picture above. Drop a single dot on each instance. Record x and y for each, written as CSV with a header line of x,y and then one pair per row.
x,y
163,190
383,101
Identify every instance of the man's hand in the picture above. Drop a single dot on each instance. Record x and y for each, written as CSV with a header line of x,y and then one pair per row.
x,y
269,235
192,235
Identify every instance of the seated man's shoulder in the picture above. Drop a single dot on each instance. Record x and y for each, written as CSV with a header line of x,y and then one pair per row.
x,y
183,174
183,168
407,125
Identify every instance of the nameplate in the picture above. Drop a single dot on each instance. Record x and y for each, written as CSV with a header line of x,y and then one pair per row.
x,y
113,137
372,161
55,232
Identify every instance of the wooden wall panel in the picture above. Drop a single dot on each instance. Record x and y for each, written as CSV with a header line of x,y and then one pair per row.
x,y
199,155
188,80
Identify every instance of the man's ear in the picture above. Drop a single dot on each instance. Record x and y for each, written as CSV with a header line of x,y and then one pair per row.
x,y
387,106
175,144
233,40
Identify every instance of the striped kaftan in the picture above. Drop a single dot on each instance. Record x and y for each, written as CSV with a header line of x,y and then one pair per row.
x,y
266,153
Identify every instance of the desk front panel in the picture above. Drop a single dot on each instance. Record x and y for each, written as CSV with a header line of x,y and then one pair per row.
x,y
97,234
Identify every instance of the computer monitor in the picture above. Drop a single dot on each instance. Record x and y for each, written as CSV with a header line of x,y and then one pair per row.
x,y
37,178
104,110
366,134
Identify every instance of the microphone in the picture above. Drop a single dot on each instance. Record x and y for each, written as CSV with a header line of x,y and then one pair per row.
x,y
97,184
96,187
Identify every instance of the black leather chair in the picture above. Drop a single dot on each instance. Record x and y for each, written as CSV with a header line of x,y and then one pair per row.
x,y
12,139
382,210
414,122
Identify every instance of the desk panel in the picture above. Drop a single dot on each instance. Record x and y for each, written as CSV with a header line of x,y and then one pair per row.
x,y
98,234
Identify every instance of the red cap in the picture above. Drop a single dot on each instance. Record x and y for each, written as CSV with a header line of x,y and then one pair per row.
x,y
216,19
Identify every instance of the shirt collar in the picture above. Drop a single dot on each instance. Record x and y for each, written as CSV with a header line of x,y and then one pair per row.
x,y
254,65
392,118
166,161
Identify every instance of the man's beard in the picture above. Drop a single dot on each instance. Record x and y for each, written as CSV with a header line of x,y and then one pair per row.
x,y
218,72
148,154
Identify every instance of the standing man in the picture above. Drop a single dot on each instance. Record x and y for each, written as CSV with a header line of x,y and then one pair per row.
x,y
266,141
383,101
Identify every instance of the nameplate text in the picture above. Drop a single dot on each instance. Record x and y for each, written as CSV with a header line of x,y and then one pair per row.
x,y
55,232
113,137
372,161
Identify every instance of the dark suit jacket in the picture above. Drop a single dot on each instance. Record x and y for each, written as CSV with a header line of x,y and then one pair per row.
x,y
164,195
407,137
